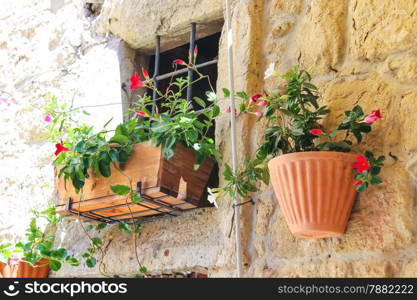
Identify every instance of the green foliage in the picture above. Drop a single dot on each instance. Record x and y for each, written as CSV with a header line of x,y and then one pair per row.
x,y
94,151
177,121
39,245
243,181
290,118
120,189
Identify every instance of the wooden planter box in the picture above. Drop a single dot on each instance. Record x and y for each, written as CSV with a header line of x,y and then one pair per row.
x,y
167,187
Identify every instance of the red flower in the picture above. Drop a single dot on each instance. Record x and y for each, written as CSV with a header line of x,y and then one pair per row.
x,y
195,51
361,164
228,110
358,182
255,97
145,73
179,62
373,116
316,131
135,82
140,113
60,148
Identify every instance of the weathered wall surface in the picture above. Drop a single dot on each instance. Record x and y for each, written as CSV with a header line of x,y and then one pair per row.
x,y
45,47
359,51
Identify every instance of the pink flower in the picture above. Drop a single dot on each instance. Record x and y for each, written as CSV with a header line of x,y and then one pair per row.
x,y
255,97
263,103
60,148
14,260
179,62
140,113
259,114
195,51
3,100
145,73
316,131
373,116
135,81
361,164
48,118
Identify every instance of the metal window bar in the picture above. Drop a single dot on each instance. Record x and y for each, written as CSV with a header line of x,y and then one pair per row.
x,y
157,77
190,72
156,71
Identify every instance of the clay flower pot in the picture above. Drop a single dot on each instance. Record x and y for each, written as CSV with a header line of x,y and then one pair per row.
x,y
24,270
27,271
315,190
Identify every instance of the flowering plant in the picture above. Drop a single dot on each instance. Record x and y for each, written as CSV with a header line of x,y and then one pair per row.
x,y
168,120
171,119
293,125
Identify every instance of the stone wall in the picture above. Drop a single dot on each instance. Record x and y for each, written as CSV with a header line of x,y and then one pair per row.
x,y
46,47
359,51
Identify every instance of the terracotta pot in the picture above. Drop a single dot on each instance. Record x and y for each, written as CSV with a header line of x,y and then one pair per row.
x,y
27,271
24,270
315,190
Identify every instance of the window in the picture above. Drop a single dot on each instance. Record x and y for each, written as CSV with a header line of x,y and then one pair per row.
x,y
162,65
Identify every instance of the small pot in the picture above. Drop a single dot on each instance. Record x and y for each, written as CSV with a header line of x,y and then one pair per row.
x,y
25,270
316,191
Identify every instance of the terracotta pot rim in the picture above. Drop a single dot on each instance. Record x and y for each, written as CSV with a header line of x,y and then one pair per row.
x,y
315,155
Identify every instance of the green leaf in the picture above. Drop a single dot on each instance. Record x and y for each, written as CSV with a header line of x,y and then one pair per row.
x,y
120,189
167,152
200,102
54,265
375,180
226,93
91,262
358,110
89,227
135,198
170,141
101,226
242,95
81,147
362,187
60,253
96,241
242,107
104,167
121,139
123,157
138,228
124,227
215,112
114,155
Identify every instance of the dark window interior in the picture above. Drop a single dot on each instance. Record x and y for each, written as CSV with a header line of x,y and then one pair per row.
x,y
208,49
